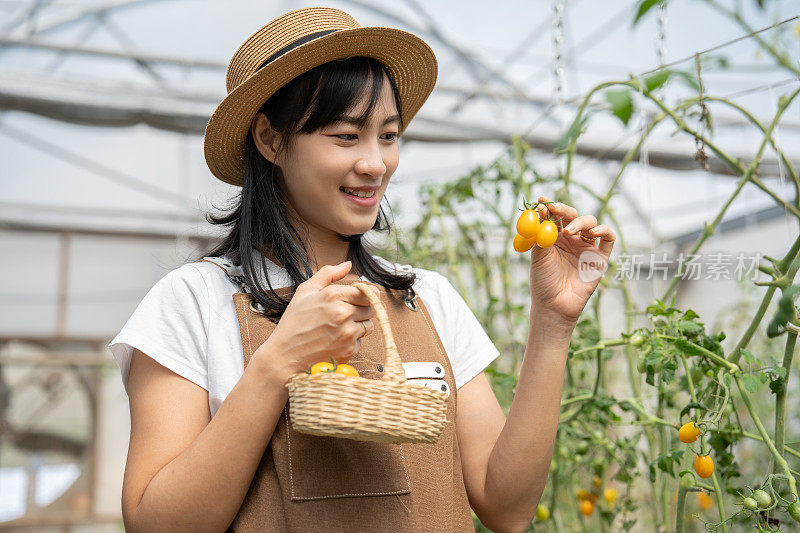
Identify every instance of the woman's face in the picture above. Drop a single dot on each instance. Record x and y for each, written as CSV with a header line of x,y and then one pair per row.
x,y
318,165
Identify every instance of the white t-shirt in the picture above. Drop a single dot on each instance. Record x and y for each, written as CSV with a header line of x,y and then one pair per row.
x,y
187,322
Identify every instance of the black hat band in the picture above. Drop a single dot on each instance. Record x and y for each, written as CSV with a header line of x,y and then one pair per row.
x,y
293,45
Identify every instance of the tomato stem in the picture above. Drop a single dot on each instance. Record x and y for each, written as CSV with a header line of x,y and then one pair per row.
x,y
778,457
680,509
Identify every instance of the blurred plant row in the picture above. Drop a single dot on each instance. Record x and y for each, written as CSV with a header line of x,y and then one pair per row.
x,y
618,462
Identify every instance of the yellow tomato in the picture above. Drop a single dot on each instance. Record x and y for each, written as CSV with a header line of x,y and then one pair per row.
x,y
587,507
548,234
521,244
528,224
704,466
688,432
347,370
322,366
704,500
610,495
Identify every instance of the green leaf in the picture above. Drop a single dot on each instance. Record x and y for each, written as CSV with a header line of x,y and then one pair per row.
x,y
719,441
655,358
724,459
650,377
653,308
668,370
727,379
656,80
762,377
666,462
688,79
690,314
693,405
464,191
623,476
777,386
689,328
750,383
748,357
784,313
688,347
621,103
644,7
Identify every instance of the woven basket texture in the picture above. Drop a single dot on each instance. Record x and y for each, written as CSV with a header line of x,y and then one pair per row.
x,y
389,409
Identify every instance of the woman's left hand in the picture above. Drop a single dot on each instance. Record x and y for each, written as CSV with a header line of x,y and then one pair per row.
x,y
565,275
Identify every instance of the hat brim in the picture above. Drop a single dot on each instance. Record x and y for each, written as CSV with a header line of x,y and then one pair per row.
x,y
408,58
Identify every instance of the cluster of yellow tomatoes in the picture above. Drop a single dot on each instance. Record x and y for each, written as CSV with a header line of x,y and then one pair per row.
x,y
586,499
333,366
532,230
703,464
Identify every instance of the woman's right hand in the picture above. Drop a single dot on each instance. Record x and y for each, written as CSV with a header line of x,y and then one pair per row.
x,y
322,321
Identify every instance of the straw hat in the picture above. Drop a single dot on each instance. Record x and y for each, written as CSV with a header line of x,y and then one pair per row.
x,y
293,44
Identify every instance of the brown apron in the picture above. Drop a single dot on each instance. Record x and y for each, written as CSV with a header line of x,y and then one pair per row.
x,y
310,483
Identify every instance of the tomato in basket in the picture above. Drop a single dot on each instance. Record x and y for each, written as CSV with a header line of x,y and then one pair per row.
x,y
333,366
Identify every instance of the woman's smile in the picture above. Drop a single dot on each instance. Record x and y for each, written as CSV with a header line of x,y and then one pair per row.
x,y
367,201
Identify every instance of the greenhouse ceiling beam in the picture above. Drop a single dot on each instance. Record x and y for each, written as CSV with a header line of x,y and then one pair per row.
x,y
29,13
37,44
108,53
82,105
17,84
29,208
165,234
672,155
465,92
468,92
733,224
80,14
473,65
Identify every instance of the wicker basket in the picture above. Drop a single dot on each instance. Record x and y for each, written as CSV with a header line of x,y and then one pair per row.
x,y
388,409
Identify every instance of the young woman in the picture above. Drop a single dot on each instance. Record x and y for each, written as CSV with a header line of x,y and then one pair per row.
x,y
309,131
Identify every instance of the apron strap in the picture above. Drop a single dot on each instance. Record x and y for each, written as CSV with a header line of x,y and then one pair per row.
x,y
233,272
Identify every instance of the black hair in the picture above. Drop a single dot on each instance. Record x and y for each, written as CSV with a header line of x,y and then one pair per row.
x,y
258,219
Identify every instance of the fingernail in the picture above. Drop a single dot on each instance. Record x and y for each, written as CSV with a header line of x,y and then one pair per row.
x,y
570,228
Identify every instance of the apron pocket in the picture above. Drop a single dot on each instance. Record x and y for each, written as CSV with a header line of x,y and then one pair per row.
x,y
315,467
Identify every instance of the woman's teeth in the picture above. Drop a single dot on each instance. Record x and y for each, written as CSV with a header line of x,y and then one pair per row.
x,y
360,194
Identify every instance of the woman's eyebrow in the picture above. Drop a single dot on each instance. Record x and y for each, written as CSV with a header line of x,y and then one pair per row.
x,y
357,121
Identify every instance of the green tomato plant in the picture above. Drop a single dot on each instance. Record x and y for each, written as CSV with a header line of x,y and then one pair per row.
x,y
623,436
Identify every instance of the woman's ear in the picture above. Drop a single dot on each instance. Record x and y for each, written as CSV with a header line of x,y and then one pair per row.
x,y
265,137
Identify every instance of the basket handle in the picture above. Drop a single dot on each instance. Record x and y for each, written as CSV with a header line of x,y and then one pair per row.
x,y
393,367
